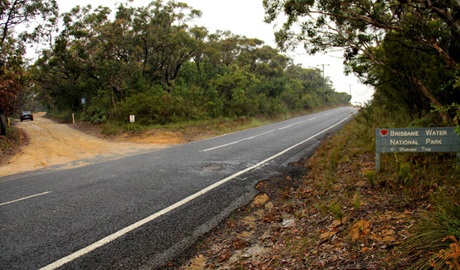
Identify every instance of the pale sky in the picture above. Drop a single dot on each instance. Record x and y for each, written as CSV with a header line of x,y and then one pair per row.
x,y
245,17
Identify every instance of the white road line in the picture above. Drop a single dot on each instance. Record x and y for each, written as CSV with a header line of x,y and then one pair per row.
x,y
250,138
221,146
286,127
25,198
298,123
166,210
235,142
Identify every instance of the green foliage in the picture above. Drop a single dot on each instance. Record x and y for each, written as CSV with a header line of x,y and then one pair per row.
x,y
94,116
429,179
357,201
62,116
415,172
17,20
149,109
405,49
371,177
111,129
404,173
149,62
438,231
336,210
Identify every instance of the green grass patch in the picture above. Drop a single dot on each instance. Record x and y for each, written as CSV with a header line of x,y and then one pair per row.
x,y
435,240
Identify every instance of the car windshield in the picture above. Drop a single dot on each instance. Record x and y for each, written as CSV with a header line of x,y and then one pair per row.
x,y
26,112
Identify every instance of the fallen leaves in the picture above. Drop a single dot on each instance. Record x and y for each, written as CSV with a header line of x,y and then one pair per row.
x,y
315,221
359,229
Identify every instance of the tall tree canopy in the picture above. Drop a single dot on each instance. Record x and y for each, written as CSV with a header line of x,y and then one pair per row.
x,y
17,17
370,31
150,61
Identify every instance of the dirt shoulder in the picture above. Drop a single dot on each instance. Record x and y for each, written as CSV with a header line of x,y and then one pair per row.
x,y
50,144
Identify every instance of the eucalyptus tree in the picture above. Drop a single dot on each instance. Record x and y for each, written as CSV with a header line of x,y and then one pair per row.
x,y
106,60
21,21
269,65
359,27
70,71
163,39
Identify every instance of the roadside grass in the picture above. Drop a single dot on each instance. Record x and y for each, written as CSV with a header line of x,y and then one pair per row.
x,y
424,186
191,130
435,242
200,129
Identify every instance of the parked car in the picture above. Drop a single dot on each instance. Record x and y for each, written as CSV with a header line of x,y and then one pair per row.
x,y
26,115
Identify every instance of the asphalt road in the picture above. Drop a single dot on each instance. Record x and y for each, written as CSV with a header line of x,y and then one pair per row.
x,y
141,211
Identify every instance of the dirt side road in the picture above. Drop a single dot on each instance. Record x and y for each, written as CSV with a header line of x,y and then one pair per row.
x,y
51,143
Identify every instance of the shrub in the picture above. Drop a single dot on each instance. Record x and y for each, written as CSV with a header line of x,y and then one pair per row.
x,y
434,243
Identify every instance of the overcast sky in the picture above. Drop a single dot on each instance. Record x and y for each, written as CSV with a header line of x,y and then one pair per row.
x,y
245,17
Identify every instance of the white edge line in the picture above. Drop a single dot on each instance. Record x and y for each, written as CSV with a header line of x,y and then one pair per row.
x,y
168,209
25,198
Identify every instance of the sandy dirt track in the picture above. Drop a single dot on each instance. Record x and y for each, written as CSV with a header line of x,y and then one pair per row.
x,y
51,144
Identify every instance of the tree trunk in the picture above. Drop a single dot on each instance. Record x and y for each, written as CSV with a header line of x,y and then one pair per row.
x,y
425,91
445,117
3,124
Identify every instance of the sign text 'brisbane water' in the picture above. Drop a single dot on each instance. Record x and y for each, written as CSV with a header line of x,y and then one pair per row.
x,y
416,140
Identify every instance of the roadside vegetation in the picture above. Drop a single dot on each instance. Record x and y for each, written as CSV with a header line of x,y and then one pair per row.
x,y
408,51
404,217
152,63
10,143
334,211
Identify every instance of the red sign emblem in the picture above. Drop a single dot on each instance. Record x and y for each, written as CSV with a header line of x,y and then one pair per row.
x,y
384,132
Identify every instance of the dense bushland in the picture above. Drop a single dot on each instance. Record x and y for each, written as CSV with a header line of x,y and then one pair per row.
x,y
151,63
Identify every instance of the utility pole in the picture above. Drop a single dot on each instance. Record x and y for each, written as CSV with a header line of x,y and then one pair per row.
x,y
324,83
349,88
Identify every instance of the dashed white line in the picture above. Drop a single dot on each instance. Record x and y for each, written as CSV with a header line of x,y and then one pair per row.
x,y
146,220
261,134
235,142
25,198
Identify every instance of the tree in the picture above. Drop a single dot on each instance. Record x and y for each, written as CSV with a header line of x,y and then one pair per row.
x,y
23,12
107,60
164,40
40,13
359,27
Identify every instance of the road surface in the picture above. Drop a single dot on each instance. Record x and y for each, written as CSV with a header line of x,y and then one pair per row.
x,y
140,211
